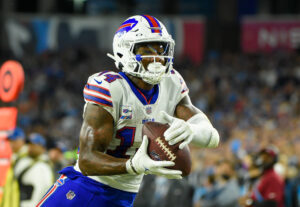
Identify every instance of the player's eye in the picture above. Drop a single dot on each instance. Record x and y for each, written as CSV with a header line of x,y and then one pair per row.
x,y
148,52
151,48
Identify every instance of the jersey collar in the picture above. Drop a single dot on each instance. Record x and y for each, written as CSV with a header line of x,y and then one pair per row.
x,y
139,94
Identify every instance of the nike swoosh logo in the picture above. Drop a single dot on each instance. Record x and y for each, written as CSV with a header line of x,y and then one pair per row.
x,y
99,82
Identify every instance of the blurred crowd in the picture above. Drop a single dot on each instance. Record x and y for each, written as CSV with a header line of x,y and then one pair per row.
x,y
253,101
34,166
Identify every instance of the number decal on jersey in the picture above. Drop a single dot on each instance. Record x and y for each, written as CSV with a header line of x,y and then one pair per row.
x,y
126,135
111,78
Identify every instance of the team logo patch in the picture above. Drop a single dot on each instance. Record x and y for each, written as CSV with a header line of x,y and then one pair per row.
x,y
60,182
126,112
70,195
148,110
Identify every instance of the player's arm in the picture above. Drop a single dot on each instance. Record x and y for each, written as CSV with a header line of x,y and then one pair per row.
x,y
185,109
191,125
95,135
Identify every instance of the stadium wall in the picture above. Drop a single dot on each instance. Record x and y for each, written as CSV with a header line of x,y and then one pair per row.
x,y
37,33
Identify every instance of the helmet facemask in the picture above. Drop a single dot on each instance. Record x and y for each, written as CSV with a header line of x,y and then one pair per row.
x,y
158,67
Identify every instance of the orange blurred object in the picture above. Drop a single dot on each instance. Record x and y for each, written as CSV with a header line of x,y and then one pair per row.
x,y
8,120
11,80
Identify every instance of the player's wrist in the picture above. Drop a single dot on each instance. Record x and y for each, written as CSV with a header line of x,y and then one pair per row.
x,y
130,168
204,134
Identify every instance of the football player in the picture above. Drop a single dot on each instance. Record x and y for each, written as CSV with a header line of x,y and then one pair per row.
x,y
113,154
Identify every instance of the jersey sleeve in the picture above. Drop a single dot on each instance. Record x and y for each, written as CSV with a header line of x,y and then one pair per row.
x,y
182,87
98,91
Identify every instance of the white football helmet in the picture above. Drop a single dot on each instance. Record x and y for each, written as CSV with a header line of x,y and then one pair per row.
x,y
137,30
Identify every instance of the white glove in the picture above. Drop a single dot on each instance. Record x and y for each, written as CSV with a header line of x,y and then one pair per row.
x,y
179,130
197,129
142,163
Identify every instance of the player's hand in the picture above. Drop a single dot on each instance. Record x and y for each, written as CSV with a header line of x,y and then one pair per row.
x,y
142,163
178,131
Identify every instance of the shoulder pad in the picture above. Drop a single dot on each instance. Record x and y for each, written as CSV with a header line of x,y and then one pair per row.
x,y
177,78
98,88
104,77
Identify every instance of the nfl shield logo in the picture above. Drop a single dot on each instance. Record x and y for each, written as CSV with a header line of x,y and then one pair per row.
x,y
148,109
70,195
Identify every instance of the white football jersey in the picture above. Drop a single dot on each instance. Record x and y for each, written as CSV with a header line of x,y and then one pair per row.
x,y
130,109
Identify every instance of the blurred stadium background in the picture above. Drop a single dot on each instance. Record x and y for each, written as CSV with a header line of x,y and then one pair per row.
x,y
240,59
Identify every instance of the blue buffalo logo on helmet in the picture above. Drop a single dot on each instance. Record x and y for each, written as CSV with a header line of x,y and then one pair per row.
x,y
127,25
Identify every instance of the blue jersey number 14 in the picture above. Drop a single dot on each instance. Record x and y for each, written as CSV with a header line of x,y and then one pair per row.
x,y
126,135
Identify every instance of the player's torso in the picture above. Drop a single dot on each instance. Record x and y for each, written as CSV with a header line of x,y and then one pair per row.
x,y
132,111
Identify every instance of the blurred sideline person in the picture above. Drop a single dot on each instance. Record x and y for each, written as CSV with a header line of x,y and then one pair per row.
x,y
34,172
179,193
56,156
268,191
11,196
226,191
112,153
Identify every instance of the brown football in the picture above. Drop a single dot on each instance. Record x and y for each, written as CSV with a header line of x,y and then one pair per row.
x,y
159,149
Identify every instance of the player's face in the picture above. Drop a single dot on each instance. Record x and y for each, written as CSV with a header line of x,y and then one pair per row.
x,y
153,49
